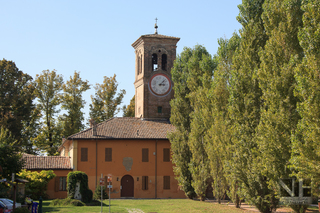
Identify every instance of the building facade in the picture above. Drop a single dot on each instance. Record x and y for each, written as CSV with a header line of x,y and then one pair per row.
x,y
135,152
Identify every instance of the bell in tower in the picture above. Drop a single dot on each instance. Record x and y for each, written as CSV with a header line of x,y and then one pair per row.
x,y
155,55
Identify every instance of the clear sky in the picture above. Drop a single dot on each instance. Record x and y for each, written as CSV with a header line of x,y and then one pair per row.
x,y
95,37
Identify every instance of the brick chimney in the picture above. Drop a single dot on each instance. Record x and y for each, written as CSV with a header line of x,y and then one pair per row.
x,y
93,125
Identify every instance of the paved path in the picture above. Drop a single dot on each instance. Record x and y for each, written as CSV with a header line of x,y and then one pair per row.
x,y
135,210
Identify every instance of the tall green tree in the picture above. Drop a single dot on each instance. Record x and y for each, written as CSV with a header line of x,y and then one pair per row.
x,y
218,135
16,102
11,160
306,141
279,116
200,67
180,118
242,170
73,103
48,92
129,111
106,101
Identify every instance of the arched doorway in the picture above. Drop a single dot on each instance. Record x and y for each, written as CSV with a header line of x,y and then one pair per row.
x,y
127,184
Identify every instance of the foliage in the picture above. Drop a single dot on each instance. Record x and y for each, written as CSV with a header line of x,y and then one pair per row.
x,y
97,193
72,102
106,101
38,182
21,210
305,156
72,179
200,67
128,111
279,116
48,87
11,161
218,134
180,118
16,103
66,202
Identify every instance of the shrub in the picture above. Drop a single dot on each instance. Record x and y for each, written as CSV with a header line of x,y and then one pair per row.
x,y
73,179
77,203
97,193
21,210
38,182
66,202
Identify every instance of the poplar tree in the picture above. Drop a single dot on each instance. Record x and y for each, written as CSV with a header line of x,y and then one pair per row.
x,y
279,116
73,103
106,101
48,92
201,67
218,136
244,176
180,118
306,141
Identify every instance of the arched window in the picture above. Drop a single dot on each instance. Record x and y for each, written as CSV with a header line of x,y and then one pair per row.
x,y
154,62
164,62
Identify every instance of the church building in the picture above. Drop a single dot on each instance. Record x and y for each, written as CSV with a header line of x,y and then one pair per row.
x,y
135,152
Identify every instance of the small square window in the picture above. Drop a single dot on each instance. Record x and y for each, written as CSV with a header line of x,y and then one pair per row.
x,y
159,109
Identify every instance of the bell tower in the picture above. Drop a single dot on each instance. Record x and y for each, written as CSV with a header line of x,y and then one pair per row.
x,y
155,55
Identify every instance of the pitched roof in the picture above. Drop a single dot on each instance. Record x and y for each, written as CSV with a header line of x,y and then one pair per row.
x,y
46,162
127,128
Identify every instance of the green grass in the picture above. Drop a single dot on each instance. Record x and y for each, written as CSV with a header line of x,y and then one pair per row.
x,y
146,205
150,206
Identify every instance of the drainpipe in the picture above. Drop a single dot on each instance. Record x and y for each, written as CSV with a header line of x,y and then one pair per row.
x,y
156,178
96,162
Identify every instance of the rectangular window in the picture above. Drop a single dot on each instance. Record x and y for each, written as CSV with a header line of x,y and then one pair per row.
x,y
166,155
63,184
145,155
166,182
84,154
159,109
108,156
144,182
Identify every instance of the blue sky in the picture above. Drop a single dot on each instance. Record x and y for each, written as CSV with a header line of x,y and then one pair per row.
x,y
95,37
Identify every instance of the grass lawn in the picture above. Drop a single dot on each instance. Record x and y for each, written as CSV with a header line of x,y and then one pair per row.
x,y
152,206
146,205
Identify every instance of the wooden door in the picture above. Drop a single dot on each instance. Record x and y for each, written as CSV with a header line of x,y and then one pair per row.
x,y
127,184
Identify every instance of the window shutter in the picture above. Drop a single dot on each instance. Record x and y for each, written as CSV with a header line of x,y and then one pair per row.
x,y
84,154
145,155
166,155
166,182
108,153
56,184
144,182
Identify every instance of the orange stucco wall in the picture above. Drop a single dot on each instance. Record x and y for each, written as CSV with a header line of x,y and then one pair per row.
x,y
155,169
51,185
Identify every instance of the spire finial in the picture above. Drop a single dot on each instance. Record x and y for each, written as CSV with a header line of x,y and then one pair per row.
x,y
156,27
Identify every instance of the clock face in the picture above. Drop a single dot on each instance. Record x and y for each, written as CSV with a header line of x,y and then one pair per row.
x,y
160,84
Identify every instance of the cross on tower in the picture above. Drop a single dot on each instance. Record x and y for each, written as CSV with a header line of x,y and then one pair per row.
x,y
156,27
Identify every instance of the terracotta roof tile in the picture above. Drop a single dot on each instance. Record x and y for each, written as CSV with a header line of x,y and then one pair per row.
x,y
46,162
127,128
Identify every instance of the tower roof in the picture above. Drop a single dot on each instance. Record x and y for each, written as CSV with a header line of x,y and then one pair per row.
x,y
152,37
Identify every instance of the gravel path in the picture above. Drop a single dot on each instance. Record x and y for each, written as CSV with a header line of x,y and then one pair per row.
x,y
135,211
